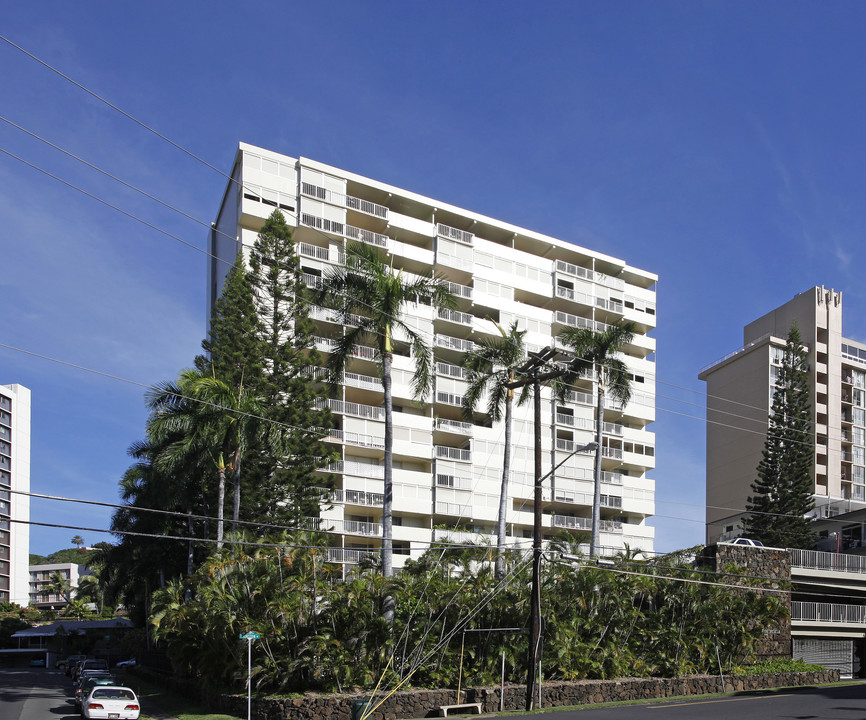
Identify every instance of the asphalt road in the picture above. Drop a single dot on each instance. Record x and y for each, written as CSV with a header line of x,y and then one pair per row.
x,y
825,703
36,694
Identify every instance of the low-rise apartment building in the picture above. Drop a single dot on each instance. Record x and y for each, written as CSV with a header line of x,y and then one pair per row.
x,y
42,578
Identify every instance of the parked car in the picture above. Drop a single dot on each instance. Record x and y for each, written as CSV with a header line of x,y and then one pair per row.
x,y
37,662
111,701
88,664
69,662
90,682
126,663
88,674
747,541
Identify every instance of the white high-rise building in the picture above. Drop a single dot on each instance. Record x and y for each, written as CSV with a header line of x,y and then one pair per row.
x,y
447,471
14,475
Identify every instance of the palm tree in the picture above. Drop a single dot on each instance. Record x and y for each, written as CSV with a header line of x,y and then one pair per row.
x,y
202,417
78,541
489,369
60,585
370,299
597,351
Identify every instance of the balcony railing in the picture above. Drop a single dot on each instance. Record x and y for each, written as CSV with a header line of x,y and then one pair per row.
x,y
455,371
835,562
455,316
367,207
366,236
350,527
368,382
329,226
447,398
611,305
455,426
463,291
563,419
453,343
447,508
313,281
358,497
314,251
828,613
445,258
342,407
347,556
444,452
580,523
574,270
359,439
454,482
351,467
451,233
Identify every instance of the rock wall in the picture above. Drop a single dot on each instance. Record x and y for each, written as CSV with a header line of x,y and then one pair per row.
x,y
773,565
426,703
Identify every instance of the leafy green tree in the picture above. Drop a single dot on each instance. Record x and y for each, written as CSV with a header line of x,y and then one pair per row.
x,y
231,348
285,492
490,368
203,418
370,299
783,489
598,351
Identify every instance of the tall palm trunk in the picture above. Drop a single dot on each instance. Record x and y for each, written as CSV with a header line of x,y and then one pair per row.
x,y
503,489
236,508
388,490
221,491
596,484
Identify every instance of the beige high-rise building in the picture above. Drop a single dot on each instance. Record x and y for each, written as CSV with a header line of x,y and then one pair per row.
x,y
739,397
447,470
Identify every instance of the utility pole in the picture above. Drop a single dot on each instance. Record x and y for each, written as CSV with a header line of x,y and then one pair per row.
x,y
534,372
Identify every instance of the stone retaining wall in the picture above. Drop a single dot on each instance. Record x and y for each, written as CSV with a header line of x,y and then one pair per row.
x,y
425,703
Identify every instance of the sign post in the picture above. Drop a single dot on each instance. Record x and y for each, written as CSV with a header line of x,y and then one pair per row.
x,y
249,637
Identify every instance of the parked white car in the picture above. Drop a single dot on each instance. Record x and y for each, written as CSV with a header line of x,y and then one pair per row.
x,y
747,541
111,701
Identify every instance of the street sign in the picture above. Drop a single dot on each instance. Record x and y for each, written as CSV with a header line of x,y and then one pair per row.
x,y
250,635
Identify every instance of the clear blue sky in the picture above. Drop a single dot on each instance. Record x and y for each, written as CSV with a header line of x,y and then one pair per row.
x,y
718,144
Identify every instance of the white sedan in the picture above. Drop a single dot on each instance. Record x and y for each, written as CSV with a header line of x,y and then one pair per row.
x,y
107,702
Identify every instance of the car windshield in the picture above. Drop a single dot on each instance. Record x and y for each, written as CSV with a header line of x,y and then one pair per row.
x,y
113,694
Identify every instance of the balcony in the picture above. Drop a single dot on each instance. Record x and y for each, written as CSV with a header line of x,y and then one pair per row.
x,y
342,407
451,233
444,258
575,321
455,316
323,224
366,382
366,236
581,523
563,419
314,251
359,439
350,467
460,291
367,207
358,497
349,527
347,556
447,398
453,482
361,352
444,452
455,509
836,613
449,370
453,426
574,270
453,343
614,306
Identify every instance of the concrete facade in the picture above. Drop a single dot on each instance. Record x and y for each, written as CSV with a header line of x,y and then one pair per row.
x,y
41,576
446,470
739,397
14,476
